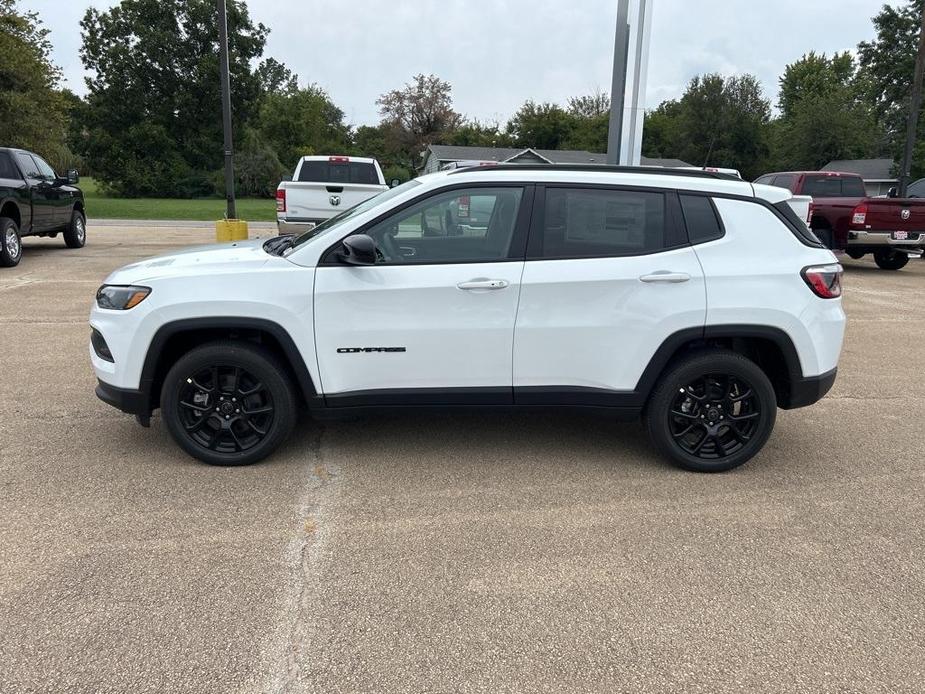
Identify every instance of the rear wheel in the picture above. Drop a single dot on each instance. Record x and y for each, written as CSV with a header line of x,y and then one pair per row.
x,y
228,403
10,243
75,236
890,259
712,412
857,255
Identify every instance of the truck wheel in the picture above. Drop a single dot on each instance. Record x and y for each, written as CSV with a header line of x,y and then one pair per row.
x,y
228,403
711,412
10,243
75,236
890,260
856,255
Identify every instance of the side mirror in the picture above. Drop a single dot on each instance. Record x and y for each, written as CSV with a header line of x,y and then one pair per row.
x,y
394,183
287,177
893,192
359,249
73,177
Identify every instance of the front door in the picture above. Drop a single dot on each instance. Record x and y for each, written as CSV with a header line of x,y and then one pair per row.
x,y
609,276
433,321
43,193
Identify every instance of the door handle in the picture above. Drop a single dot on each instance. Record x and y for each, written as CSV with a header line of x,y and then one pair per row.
x,y
663,276
483,284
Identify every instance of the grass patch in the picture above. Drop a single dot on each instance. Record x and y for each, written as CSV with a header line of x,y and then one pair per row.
x,y
100,206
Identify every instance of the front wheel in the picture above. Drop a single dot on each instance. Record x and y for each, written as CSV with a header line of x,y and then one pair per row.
x,y
890,260
228,403
75,236
10,243
712,412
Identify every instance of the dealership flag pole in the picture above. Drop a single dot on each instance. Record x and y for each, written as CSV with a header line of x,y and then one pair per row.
x,y
226,108
915,104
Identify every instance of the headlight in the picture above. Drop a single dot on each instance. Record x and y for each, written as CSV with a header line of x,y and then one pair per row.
x,y
120,298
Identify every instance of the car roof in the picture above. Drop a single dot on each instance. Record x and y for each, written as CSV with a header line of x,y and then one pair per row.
x,y
645,177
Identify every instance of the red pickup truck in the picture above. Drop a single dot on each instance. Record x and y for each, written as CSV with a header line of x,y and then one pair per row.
x,y
846,219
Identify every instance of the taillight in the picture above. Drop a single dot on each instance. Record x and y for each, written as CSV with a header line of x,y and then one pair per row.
x,y
824,280
281,200
859,216
339,160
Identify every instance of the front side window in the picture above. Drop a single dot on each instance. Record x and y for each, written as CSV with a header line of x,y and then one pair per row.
x,y
786,181
462,226
44,169
590,223
29,168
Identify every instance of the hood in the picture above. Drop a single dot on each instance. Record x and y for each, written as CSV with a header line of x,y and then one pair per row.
x,y
236,257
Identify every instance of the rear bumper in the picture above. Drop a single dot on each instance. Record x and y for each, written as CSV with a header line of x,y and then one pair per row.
x,y
808,390
286,227
129,401
884,239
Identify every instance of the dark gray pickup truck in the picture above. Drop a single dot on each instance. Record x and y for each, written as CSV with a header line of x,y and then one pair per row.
x,y
35,201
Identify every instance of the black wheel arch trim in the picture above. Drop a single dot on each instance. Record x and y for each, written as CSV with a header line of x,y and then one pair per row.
x,y
231,323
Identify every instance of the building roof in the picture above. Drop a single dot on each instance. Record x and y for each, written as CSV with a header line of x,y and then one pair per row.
x,y
555,156
868,169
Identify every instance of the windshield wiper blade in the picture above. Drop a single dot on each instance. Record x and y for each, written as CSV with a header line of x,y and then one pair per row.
x,y
277,245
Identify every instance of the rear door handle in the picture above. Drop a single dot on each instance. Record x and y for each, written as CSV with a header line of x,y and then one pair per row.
x,y
483,284
662,276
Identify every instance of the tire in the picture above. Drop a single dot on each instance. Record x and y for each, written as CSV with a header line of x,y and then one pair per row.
x,y
10,243
856,255
75,236
707,389
214,424
891,260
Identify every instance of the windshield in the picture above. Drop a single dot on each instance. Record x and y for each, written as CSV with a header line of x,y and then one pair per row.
x,y
364,206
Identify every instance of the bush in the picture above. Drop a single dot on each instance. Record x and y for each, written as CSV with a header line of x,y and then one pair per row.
x,y
393,172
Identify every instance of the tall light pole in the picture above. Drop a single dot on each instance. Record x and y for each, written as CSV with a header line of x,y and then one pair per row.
x,y
915,104
226,107
621,49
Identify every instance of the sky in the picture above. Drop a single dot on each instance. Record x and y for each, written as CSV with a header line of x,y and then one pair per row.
x,y
496,54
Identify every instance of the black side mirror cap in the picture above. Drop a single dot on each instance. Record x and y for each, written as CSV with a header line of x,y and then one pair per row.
x,y
395,183
893,192
73,177
359,249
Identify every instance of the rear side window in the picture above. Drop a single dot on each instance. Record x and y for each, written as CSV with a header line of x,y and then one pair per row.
x,y
834,187
7,169
594,223
338,172
700,217
786,181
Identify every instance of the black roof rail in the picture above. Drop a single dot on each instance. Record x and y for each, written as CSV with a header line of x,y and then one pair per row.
x,y
657,170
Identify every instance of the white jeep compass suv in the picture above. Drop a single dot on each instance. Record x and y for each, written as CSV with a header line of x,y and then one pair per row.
x,y
694,299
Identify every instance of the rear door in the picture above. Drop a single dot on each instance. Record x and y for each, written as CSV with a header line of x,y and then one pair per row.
x,y
610,275
43,195
433,321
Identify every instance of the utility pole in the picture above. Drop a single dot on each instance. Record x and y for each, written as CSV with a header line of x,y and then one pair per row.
x,y
915,104
226,107
621,50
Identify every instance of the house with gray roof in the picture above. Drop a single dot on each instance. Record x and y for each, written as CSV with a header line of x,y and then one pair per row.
x,y
877,173
439,156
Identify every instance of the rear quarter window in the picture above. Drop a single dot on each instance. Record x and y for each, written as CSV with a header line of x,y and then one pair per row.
x,y
700,217
338,172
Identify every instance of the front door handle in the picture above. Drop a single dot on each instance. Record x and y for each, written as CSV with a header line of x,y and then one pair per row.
x,y
483,284
663,276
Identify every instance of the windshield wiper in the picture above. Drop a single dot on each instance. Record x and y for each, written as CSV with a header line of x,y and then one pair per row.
x,y
277,245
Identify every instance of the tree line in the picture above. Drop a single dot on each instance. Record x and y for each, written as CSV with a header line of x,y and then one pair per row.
x,y
149,124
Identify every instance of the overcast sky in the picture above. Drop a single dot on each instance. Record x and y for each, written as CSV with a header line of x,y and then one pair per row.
x,y
499,53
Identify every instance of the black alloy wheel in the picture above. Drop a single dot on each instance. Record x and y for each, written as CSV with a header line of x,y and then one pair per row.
x,y
228,403
712,411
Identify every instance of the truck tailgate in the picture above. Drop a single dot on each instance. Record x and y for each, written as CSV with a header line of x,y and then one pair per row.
x,y
316,201
892,214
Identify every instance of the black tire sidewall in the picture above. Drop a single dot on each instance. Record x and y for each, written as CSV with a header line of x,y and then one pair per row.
x,y
71,239
891,260
700,364
263,365
5,259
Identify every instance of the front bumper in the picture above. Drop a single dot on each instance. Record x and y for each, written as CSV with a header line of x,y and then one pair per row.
x,y
130,401
884,239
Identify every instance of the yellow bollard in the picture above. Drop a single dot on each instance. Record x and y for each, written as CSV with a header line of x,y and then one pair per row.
x,y
230,230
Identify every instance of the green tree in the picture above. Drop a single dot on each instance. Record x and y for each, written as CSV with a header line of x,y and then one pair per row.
x,y
153,116
887,66
542,126
473,133
297,122
418,114
590,122
823,116
660,134
32,111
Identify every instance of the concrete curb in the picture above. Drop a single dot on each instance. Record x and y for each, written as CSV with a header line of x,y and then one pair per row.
x,y
169,224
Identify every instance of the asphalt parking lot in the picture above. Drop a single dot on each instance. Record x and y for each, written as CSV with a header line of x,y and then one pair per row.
x,y
504,553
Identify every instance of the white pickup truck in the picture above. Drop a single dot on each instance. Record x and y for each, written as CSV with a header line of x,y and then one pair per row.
x,y
323,186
